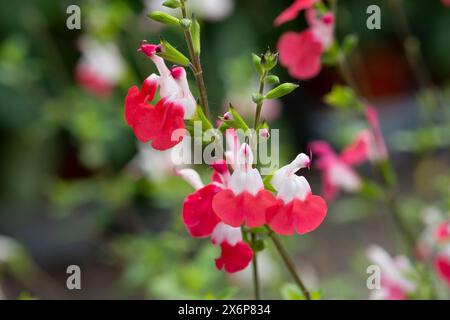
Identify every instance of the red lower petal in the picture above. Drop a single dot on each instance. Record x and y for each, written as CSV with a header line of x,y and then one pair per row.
x,y
167,124
234,258
442,266
198,215
301,216
243,208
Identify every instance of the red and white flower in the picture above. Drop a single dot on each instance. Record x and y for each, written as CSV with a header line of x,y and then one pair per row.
x,y
337,169
100,67
163,123
301,52
395,282
434,244
245,200
235,253
201,220
297,209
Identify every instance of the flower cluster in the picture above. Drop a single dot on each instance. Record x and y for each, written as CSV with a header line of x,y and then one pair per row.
x,y
238,199
301,52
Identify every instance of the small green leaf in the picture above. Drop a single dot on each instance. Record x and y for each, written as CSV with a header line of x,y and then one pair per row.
x,y
195,33
349,43
171,54
257,98
281,90
340,97
273,79
237,122
165,18
257,63
173,4
268,184
185,23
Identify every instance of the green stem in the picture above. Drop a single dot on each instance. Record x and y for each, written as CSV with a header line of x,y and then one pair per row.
x,y
262,82
196,66
256,285
289,264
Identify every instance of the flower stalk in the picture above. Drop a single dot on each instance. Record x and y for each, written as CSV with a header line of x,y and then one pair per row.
x,y
196,65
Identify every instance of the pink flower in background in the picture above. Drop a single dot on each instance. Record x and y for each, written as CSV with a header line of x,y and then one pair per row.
x,y
297,208
100,67
337,169
293,11
446,3
301,52
158,123
395,283
377,146
434,244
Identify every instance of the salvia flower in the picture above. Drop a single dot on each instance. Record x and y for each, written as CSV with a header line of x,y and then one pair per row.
x,y
100,67
201,221
297,208
301,52
162,123
395,275
244,200
434,244
337,169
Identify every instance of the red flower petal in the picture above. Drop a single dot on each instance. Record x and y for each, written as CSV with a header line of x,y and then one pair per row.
x,y
442,265
234,258
300,53
198,215
243,208
92,82
301,216
293,10
137,99
164,120
357,152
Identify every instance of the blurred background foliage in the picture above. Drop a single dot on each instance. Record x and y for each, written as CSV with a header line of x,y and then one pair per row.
x,y
75,187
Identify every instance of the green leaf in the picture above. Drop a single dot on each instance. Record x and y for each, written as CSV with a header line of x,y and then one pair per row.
x,y
257,63
281,90
267,184
171,54
349,43
273,79
195,33
173,4
163,17
237,122
341,97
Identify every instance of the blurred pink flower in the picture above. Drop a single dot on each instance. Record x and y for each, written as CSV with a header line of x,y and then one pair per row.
x,y
337,169
446,3
395,283
301,52
293,10
100,67
434,244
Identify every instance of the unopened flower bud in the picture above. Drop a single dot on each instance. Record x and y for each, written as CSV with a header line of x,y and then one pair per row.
x,y
227,116
185,23
273,79
163,17
264,133
257,98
